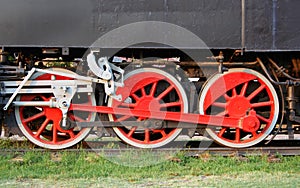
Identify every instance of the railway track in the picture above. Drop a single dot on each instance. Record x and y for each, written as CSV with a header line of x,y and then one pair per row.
x,y
192,148
197,148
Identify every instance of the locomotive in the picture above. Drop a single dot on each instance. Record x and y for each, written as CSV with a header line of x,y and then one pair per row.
x,y
224,69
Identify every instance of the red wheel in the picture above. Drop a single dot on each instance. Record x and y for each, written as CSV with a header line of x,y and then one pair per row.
x,y
41,125
154,90
234,94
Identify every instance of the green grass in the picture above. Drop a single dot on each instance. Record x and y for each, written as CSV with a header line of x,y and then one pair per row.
x,y
14,144
90,169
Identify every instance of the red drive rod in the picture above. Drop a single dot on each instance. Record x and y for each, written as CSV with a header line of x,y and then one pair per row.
x,y
248,123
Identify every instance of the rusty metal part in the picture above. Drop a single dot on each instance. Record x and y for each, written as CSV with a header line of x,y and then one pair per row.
x,y
281,70
292,81
188,63
282,108
291,99
296,67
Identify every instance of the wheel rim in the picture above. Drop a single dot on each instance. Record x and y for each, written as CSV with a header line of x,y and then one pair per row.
x,y
233,94
153,90
41,125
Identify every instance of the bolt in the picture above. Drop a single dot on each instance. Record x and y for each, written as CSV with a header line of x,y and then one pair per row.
x,y
65,104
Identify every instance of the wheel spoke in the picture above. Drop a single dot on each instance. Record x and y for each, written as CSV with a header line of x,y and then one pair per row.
x,y
237,135
254,134
234,93
256,92
222,131
42,128
131,131
224,113
170,104
34,117
135,97
227,98
260,104
164,93
143,91
263,118
128,105
153,89
219,104
71,133
161,131
244,88
147,136
54,131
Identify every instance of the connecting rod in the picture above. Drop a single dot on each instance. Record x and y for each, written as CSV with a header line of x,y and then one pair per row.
x,y
248,123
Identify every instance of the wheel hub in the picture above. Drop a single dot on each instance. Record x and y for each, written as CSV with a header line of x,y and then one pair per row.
x,y
148,103
238,106
53,113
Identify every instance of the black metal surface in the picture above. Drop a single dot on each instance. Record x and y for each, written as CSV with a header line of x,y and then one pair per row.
x,y
270,25
287,35
78,23
258,25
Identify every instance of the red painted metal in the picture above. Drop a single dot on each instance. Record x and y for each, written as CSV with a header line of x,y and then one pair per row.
x,y
153,91
149,91
231,122
149,105
251,122
236,94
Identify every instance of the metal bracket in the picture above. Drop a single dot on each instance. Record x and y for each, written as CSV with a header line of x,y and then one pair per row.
x,y
63,94
103,69
293,117
220,60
